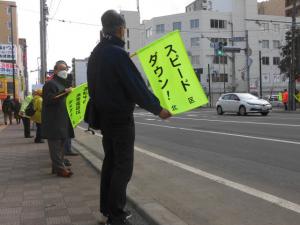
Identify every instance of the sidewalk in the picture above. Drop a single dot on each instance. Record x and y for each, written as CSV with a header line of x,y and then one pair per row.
x,y
30,195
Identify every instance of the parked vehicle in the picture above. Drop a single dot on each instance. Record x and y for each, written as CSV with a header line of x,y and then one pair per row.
x,y
242,103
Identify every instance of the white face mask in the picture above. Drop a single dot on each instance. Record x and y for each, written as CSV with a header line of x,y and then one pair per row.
x,y
63,74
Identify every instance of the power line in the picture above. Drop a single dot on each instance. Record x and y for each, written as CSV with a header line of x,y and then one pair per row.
x,y
56,10
50,7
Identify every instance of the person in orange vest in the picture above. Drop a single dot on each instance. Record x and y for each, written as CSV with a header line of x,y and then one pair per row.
x,y
285,98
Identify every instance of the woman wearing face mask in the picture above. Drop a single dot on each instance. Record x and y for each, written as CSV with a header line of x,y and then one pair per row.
x,y
56,125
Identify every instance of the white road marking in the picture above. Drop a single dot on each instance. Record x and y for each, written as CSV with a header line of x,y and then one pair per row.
x,y
237,186
223,133
240,187
231,121
239,122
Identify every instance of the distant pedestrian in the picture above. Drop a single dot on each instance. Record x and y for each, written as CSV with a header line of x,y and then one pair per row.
x,y
56,125
115,87
8,109
17,107
285,99
25,118
37,116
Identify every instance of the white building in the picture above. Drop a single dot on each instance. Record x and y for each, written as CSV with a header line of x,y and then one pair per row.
x,y
216,22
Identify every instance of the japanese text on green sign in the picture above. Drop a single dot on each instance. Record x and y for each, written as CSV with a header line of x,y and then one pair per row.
x,y
171,75
76,103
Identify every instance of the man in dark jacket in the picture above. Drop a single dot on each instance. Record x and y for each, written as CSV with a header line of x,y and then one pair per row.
x,y
8,108
115,86
56,125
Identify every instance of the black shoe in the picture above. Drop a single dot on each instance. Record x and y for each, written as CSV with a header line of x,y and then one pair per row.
x,y
5,123
67,162
127,214
29,137
39,141
118,222
71,153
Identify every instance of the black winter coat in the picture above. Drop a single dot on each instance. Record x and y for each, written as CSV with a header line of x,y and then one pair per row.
x,y
114,83
55,119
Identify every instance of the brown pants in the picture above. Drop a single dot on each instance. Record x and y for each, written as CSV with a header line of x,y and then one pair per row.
x,y
56,149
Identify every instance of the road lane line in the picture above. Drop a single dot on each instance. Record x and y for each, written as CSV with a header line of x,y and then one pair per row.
x,y
240,187
239,122
237,186
222,133
229,121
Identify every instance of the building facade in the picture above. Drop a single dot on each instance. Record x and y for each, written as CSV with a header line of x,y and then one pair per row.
x,y
241,27
272,7
8,58
289,8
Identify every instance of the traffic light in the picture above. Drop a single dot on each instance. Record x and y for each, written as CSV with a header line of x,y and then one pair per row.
x,y
220,51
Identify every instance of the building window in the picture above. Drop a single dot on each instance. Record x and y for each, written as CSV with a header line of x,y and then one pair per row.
x,y
276,61
220,77
265,60
160,28
194,23
9,40
149,32
196,59
195,41
265,26
265,44
8,25
128,45
276,27
220,59
8,10
177,26
276,44
219,24
127,33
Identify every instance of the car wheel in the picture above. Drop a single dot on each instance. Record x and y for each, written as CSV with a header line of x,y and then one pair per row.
x,y
242,111
220,110
264,113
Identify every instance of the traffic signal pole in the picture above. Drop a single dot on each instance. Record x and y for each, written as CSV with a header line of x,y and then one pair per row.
x,y
247,60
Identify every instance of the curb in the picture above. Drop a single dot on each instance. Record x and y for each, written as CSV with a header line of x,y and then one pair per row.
x,y
148,208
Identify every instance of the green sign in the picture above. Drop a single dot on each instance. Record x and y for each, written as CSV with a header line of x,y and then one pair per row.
x,y
76,103
171,74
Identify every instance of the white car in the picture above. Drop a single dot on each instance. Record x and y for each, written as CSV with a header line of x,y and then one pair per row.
x,y
242,103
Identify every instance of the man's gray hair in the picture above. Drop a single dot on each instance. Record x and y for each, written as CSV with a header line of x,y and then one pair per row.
x,y
111,21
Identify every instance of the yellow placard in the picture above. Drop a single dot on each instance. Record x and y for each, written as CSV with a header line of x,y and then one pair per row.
x,y
171,74
76,103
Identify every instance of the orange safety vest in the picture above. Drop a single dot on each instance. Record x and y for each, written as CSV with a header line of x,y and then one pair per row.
x,y
285,97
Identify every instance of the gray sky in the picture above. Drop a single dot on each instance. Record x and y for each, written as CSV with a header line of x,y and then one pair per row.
x,y
68,40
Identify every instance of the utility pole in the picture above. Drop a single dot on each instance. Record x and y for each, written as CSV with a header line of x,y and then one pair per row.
x,y
224,74
292,82
43,32
247,60
260,76
138,6
12,50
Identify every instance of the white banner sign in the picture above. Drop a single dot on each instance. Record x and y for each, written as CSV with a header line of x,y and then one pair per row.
x,y
5,52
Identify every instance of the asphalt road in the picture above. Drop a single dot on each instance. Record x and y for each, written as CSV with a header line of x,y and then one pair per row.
x,y
221,170
258,152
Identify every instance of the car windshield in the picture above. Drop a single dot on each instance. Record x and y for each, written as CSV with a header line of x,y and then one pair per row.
x,y
248,96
